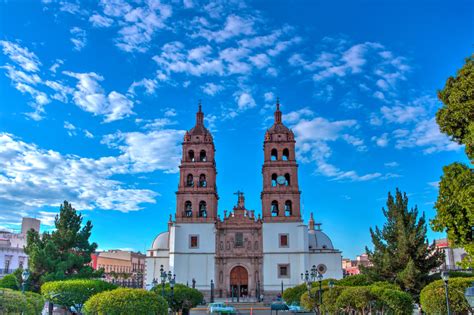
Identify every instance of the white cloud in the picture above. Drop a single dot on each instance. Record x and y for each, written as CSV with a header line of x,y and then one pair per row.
x,y
245,101
211,88
391,164
234,26
269,96
149,85
21,56
147,152
88,134
31,177
425,135
90,96
79,39
98,20
71,129
382,140
313,135
402,114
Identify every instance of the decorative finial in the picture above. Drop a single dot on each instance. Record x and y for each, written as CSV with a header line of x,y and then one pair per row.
x,y
199,115
278,112
311,222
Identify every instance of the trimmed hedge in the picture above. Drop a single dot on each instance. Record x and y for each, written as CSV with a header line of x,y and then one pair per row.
x,y
184,298
9,282
381,296
126,301
74,293
433,301
15,302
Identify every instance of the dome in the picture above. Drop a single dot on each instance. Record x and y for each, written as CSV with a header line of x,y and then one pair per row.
x,y
319,240
161,241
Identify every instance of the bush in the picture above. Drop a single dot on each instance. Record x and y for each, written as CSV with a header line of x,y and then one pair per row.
x,y
329,300
355,299
183,299
355,280
432,297
396,301
126,301
15,302
291,295
73,293
9,282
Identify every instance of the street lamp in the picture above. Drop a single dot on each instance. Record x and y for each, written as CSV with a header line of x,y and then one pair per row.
x,y
308,278
24,276
212,291
320,280
445,277
469,295
163,280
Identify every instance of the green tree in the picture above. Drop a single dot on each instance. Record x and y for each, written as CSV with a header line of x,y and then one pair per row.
x,y
456,117
455,208
183,298
62,253
401,252
433,301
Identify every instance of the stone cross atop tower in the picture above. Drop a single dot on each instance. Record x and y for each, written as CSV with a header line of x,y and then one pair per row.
x,y
240,199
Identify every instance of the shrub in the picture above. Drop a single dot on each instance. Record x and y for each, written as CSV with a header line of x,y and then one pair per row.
x,y
293,294
183,299
9,282
126,301
329,300
15,302
432,297
355,299
355,280
73,293
396,301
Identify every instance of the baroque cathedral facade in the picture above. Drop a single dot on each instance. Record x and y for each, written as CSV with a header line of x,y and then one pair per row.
x,y
243,254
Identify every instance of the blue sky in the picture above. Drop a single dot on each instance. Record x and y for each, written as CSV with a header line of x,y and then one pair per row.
x,y
95,98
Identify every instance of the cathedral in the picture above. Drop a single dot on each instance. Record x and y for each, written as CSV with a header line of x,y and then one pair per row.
x,y
243,254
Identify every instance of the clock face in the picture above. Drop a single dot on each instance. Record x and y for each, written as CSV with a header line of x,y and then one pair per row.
x,y
281,180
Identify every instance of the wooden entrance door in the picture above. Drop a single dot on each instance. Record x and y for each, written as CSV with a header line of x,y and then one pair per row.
x,y
239,280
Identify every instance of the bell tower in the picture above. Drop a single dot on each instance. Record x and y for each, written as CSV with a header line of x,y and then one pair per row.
x,y
196,198
281,194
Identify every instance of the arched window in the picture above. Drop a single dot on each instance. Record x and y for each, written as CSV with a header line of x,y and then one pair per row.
x,y
188,209
286,155
202,156
202,180
202,209
191,155
190,180
288,208
274,208
287,179
274,180
274,155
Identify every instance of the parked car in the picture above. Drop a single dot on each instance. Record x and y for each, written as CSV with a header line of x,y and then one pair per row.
x,y
296,308
220,308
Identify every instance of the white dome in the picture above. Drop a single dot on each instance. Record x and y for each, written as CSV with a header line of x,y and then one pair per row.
x,y
319,240
161,241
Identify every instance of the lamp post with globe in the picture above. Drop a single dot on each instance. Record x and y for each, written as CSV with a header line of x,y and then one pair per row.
x,y
24,276
445,277
309,277
163,280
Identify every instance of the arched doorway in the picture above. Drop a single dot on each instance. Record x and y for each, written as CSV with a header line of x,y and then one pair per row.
x,y
239,281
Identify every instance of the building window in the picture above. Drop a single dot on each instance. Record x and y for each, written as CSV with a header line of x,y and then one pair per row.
x,y
188,209
193,241
202,156
286,155
191,155
287,179
239,239
284,240
274,155
202,209
284,271
274,208
190,180
202,180
274,180
288,208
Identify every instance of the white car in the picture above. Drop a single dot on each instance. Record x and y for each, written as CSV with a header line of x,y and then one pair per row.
x,y
220,308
